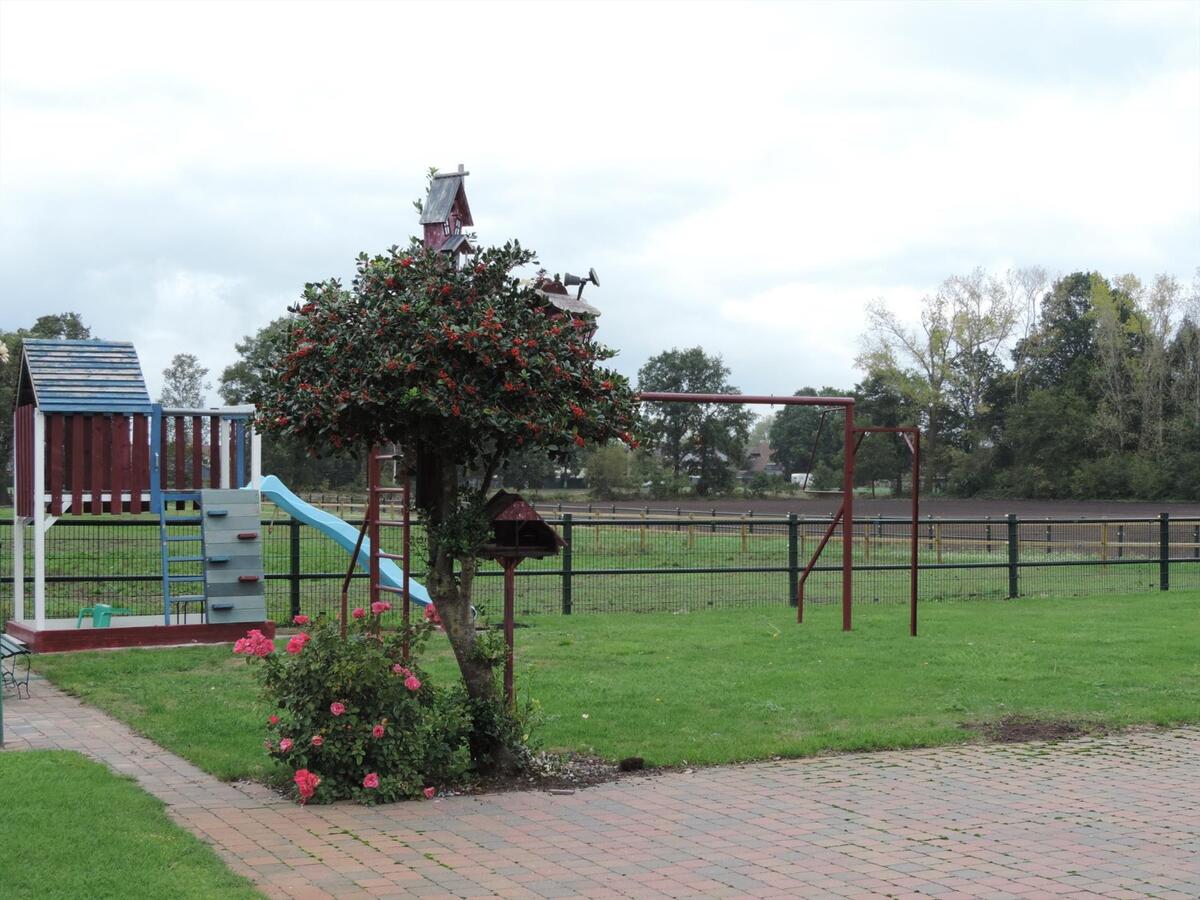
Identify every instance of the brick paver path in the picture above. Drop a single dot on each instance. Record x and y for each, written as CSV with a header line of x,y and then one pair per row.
x,y
1113,816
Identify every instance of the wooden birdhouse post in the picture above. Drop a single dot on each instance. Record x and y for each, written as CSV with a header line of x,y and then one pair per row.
x,y
518,533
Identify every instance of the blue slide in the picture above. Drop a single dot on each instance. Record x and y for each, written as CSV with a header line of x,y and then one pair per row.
x,y
342,532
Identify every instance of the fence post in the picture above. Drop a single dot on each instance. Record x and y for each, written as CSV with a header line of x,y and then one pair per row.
x,y
1013,556
294,565
793,559
566,564
1164,551
713,527
1196,542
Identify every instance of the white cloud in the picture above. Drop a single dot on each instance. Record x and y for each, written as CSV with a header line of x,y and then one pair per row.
x,y
742,176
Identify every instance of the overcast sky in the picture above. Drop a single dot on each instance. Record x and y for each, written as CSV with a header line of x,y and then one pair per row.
x,y
741,177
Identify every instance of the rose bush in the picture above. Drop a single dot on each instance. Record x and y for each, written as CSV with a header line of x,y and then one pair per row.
x,y
354,720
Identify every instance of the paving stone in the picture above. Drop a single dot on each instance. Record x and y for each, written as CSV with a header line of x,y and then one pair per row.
x,y
1106,816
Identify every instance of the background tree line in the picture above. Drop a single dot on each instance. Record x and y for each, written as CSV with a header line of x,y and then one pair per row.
x,y
1081,386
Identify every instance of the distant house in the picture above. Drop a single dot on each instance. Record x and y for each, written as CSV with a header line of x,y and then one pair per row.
x,y
761,460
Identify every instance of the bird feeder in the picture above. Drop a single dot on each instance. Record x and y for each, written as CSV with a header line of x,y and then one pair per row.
x,y
518,533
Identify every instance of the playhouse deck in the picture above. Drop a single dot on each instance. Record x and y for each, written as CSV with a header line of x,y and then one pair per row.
x,y
60,635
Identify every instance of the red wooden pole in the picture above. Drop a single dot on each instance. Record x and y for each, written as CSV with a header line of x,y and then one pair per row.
x,y
848,520
140,454
99,438
916,516
214,451
120,462
510,570
77,464
372,514
55,439
197,448
406,561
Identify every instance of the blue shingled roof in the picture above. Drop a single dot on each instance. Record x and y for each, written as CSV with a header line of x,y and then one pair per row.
x,y
82,376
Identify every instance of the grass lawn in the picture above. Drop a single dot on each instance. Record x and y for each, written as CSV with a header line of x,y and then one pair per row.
x,y
722,686
71,828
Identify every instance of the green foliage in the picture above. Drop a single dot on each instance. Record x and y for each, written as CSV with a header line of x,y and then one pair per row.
x,y
468,360
350,707
608,471
707,441
794,433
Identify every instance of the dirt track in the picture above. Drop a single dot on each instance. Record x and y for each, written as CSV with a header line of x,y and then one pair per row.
x,y
937,507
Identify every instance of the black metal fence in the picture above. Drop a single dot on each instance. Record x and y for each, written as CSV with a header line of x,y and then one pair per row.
x,y
636,563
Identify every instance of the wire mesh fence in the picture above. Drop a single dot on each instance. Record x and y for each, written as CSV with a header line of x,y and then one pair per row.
x,y
640,563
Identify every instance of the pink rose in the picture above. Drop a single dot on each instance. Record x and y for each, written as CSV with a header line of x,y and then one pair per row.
x,y
317,740
412,683
377,731
337,708
272,719
379,607
300,620
359,612
297,642
371,781
401,670
285,745
306,784
431,614
429,792
255,643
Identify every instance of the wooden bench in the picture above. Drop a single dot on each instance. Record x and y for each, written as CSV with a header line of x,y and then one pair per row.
x,y
10,649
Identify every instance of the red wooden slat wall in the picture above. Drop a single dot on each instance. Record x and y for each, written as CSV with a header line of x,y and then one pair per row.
x,y
23,428
120,463
54,461
140,460
78,464
214,451
101,437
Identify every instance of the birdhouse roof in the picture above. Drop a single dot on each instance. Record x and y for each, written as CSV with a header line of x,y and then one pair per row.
x,y
82,376
445,192
456,243
506,506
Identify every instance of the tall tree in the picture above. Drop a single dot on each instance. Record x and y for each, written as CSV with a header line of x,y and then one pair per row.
x,y
707,441
461,367
800,441
184,386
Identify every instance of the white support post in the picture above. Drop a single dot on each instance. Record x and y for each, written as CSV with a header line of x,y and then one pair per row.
x,y
226,451
18,568
255,456
39,519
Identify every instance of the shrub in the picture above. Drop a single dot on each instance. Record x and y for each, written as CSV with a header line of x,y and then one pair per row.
x,y
354,720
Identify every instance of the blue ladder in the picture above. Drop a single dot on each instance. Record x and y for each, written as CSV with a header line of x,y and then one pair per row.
x,y
192,554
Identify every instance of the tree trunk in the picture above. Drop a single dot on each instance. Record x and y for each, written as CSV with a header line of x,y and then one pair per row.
x,y
931,441
452,597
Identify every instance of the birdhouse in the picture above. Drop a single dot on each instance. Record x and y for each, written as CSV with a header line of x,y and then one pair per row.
x,y
445,212
518,532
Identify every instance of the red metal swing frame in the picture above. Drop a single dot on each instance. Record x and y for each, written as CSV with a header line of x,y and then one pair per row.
x,y
853,438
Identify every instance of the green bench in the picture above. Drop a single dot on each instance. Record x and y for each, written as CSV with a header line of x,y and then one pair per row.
x,y
10,650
